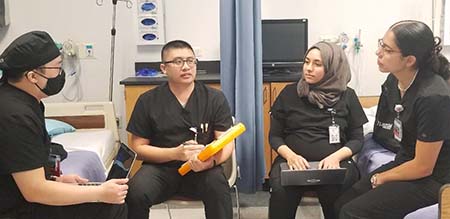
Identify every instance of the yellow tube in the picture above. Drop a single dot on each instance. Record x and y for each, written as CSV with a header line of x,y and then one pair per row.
x,y
215,146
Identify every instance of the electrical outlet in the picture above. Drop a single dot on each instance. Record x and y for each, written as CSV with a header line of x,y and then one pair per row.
x,y
87,51
89,48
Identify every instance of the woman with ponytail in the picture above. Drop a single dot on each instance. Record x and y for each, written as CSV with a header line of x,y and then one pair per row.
x,y
413,114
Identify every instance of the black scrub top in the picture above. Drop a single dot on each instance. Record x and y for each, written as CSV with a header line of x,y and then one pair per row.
x,y
24,142
160,118
303,126
425,117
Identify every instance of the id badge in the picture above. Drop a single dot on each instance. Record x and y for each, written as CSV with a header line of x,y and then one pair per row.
x,y
398,131
334,135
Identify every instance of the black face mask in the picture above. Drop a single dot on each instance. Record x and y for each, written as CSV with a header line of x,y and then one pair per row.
x,y
54,85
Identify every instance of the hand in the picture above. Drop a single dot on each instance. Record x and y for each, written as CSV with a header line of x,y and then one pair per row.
x,y
187,149
329,162
297,162
71,178
198,165
114,191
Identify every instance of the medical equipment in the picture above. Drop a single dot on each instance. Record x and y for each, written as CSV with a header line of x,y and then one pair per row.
x,y
113,41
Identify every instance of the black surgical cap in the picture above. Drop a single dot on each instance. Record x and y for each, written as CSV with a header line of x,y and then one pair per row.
x,y
27,52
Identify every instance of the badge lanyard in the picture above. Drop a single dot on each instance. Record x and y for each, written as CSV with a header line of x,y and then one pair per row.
x,y
333,129
398,131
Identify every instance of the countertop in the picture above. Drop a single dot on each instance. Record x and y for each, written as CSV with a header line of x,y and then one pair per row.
x,y
208,78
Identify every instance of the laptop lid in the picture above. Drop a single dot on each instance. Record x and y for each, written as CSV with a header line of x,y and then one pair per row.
x,y
123,162
311,176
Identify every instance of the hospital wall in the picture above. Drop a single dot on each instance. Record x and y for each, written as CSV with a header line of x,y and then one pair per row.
x,y
197,21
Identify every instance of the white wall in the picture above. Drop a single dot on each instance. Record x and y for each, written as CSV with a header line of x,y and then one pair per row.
x,y
197,21
84,21
334,17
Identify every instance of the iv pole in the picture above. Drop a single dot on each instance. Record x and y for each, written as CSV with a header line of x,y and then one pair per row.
x,y
113,42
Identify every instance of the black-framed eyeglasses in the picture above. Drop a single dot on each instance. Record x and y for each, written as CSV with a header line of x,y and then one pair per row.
x,y
49,67
180,62
385,48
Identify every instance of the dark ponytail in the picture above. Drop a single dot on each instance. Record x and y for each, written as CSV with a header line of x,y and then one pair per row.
x,y
439,63
416,38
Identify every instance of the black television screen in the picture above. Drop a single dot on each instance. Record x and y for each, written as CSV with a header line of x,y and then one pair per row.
x,y
284,42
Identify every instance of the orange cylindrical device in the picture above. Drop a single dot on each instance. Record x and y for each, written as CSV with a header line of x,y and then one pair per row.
x,y
215,146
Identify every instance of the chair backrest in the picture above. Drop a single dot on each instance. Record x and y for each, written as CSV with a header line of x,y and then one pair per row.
x,y
230,169
444,202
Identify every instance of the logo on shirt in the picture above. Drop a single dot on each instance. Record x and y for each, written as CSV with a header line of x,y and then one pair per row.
x,y
387,126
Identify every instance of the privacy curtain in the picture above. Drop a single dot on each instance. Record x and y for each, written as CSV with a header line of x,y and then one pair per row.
x,y
241,81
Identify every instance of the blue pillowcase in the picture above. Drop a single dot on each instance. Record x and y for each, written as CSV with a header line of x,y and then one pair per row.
x,y
55,127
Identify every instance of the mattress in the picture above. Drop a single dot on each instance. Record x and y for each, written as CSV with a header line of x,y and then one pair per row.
x,y
86,164
99,141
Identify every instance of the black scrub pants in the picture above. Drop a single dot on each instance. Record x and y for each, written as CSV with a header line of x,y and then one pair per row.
x,y
80,211
284,200
154,184
391,200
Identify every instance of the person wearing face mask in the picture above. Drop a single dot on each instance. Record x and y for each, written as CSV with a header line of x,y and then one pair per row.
x,y
413,112
304,117
31,67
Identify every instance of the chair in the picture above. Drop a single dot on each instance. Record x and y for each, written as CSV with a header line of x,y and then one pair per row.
x,y
444,202
231,170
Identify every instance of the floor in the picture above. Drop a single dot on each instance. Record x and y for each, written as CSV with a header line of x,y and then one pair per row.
x,y
253,206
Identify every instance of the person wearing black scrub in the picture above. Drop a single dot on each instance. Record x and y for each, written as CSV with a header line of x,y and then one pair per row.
x,y
32,70
413,110
170,125
317,119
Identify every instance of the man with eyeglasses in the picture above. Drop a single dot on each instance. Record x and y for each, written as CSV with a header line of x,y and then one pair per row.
x,y
170,125
31,67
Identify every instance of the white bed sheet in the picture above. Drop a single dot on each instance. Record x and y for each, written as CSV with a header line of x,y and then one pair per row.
x,y
100,141
370,113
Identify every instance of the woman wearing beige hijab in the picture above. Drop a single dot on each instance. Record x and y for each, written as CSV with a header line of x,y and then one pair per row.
x,y
317,119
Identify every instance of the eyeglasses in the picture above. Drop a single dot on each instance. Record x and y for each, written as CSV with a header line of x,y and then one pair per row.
x,y
385,48
44,76
179,62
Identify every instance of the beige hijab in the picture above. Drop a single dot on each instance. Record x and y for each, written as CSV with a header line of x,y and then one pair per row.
x,y
327,91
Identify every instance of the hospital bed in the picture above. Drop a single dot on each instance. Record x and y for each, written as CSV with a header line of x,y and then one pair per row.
x,y
93,144
373,155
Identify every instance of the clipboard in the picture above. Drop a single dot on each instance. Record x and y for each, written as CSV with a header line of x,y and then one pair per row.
x,y
215,146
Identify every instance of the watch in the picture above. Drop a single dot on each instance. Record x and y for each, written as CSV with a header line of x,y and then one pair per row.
x,y
373,180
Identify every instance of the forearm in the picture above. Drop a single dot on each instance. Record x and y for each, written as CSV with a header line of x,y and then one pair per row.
x,y
35,188
155,154
285,151
410,170
421,166
342,153
55,193
355,139
224,154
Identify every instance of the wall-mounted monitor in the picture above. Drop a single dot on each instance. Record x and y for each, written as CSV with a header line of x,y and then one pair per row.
x,y
284,42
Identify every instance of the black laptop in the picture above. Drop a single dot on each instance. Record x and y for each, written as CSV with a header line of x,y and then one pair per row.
x,y
121,167
311,176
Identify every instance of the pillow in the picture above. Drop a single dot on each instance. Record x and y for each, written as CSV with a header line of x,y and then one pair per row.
x,y
55,127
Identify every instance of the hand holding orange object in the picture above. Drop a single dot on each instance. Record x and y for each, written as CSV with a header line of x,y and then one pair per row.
x,y
215,146
189,148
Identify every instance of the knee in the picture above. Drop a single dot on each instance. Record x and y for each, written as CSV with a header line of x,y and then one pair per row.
x,y
135,195
348,211
138,193
216,182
